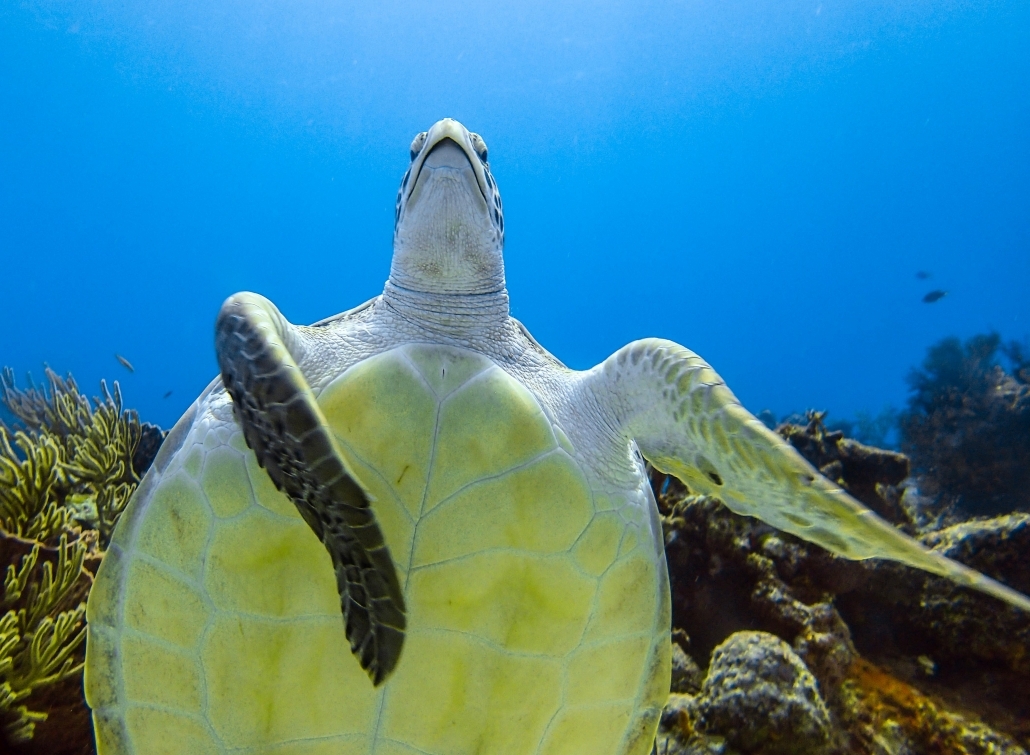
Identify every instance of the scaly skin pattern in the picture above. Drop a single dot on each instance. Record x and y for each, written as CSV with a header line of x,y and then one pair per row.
x,y
687,423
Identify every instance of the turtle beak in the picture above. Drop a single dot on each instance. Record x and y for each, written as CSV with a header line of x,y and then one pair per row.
x,y
448,147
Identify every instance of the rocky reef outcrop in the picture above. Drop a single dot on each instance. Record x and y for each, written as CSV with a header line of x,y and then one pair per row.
x,y
758,696
904,662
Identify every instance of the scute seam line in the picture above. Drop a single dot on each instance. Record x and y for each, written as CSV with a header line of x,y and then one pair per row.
x,y
491,478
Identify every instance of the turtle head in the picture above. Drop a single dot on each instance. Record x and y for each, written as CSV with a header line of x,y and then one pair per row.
x,y
449,228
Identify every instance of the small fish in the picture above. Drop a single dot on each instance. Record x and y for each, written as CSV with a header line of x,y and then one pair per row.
x,y
923,275
933,296
125,362
169,393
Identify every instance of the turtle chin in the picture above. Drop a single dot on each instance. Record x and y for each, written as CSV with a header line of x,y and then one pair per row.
x,y
445,241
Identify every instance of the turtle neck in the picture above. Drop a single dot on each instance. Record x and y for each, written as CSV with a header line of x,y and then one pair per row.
x,y
449,314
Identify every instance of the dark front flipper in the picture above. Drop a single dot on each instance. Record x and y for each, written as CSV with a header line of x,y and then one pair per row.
x,y
290,436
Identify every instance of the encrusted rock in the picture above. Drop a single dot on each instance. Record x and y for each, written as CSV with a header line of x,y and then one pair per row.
x,y
687,676
820,636
760,696
885,716
923,614
872,475
676,732
732,573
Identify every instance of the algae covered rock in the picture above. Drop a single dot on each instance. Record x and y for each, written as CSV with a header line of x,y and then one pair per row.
x,y
687,676
963,626
872,475
904,614
761,697
885,716
732,573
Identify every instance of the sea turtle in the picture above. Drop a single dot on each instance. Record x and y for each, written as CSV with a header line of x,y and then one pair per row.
x,y
481,511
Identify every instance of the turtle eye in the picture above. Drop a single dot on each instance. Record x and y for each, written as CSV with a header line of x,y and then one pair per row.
x,y
479,146
417,143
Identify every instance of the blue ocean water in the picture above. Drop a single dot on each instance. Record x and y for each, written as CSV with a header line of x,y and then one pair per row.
x,y
760,181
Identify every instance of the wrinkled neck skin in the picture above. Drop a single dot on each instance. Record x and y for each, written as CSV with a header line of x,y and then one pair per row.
x,y
448,271
460,316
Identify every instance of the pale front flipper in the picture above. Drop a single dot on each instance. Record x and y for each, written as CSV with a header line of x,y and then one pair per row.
x,y
687,423
284,426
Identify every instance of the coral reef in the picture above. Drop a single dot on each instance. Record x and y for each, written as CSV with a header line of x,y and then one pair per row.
x,y
732,573
38,640
884,715
760,695
67,469
906,662
944,621
873,713
1018,354
779,646
870,474
967,428
687,676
